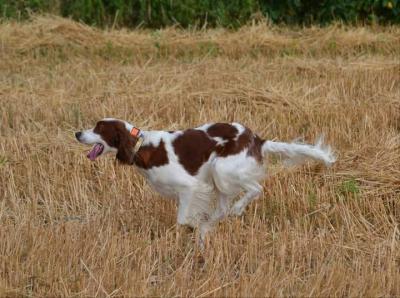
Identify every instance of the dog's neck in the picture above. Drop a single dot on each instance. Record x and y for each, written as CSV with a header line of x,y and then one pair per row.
x,y
137,134
133,130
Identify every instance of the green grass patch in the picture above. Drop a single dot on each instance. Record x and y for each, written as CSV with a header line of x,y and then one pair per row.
x,y
348,189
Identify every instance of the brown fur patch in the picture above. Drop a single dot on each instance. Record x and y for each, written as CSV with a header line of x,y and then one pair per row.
x,y
116,135
255,149
109,131
222,130
228,132
235,146
149,156
193,148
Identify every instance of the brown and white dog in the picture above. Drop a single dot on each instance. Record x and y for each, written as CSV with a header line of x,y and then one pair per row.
x,y
205,168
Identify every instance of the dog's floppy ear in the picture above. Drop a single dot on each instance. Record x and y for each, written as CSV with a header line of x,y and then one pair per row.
x,y
126,143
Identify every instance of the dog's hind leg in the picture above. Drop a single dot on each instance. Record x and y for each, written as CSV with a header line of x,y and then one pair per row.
x,y
252,193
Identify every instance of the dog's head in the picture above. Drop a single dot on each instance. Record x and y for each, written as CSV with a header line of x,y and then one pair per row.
x,y
109,135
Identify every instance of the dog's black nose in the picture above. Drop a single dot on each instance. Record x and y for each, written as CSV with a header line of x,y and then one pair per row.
x,y
78,135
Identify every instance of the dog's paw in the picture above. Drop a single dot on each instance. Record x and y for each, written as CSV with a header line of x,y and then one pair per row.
x,y
238,209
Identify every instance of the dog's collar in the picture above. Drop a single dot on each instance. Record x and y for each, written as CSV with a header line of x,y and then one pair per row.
x,y
135,132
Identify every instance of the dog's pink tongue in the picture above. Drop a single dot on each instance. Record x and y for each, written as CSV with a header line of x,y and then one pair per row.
x,y
96,150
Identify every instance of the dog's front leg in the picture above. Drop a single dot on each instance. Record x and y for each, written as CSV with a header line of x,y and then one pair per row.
x,y
192,212
184,214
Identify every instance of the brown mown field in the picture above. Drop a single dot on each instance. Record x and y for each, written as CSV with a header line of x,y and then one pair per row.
x,y
70,227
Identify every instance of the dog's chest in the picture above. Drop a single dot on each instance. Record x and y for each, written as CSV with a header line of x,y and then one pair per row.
x,y
165,180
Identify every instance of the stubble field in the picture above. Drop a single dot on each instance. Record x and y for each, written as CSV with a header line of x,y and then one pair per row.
x,y
70,227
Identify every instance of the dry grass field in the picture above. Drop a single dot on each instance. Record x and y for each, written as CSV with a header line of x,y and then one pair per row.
x,y
70,227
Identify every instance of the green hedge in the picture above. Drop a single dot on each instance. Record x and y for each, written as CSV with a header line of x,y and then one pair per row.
x,y
326,11
226,13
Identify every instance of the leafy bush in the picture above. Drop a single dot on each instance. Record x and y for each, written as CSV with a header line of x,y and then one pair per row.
x,y
226,13
324,12
21,9
160,13
102,12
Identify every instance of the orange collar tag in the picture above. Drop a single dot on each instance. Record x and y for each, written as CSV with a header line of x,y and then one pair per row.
x,y
135,132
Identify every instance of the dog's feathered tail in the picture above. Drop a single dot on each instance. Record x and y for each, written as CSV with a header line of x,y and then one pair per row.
x,y
297,153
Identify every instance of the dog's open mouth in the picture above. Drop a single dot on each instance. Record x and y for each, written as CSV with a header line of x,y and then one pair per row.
x,y
96,151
